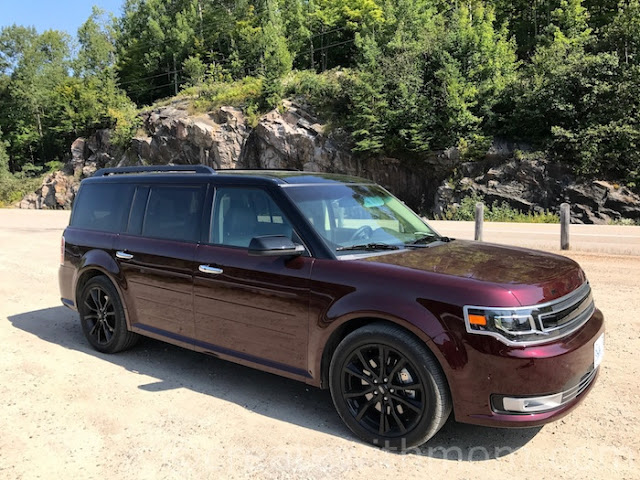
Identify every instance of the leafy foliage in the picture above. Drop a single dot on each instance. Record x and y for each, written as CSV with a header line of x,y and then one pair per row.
x,y
12,187
241,93
399,77
580,99
49,97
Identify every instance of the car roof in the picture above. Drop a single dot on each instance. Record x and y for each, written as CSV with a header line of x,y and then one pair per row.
x,y
295,177
183,174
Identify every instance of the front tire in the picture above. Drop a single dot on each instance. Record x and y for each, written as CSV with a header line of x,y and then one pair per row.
x,y
388,388
102,317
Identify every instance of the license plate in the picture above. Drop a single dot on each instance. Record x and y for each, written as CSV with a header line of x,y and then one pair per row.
x,y
598,351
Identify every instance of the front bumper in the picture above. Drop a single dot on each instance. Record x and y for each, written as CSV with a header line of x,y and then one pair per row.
x,y
562,372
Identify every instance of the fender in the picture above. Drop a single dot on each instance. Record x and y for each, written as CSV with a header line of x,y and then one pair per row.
x,y
412,316
101,261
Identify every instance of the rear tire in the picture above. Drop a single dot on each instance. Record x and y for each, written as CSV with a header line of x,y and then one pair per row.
x,y
388,388
102,317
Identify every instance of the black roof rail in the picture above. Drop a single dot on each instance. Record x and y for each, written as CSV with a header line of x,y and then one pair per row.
x,y
260,170
103,172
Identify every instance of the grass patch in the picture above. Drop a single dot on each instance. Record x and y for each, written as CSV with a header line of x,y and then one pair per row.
x,y
14,187
209,96
630,222
496,212
324,92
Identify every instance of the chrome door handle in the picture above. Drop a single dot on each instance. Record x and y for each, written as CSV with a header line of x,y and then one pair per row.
x,y
124,255
210,270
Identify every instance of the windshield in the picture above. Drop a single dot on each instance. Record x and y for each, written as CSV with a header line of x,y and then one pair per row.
x,y
360,218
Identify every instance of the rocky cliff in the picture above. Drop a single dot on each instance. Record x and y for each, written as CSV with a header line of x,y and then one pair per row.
x,y
535,184
294,139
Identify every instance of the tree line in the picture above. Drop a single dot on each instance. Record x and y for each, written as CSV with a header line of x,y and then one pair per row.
x,y
400,77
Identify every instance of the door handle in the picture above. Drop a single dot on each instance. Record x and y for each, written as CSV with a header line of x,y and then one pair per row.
x,y
124,255
210,270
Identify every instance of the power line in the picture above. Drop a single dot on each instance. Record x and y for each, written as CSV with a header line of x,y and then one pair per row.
x,y
149,77
320,34
331,46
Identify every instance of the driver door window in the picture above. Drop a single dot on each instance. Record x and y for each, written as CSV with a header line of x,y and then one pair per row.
x,y
239,214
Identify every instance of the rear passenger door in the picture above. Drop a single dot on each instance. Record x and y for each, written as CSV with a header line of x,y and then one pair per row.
x,y
156,255
251,309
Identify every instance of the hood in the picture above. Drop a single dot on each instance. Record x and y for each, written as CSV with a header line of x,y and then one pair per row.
x,y
532,276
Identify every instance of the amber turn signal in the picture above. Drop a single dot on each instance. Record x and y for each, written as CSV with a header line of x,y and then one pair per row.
x,y
477,319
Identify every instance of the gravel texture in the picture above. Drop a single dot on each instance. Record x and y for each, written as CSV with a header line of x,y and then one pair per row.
x,y
158,411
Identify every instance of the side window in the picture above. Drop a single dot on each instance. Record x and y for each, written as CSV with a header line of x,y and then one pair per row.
x,y
102,206
174,213
239,214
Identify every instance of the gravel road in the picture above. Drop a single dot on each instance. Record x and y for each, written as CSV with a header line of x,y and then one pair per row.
x,y
158,411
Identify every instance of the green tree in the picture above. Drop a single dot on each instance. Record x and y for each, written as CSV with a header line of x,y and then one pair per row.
x,y
580,102
194,70
335,26
35,65
622,34
96,37
4,157
153,39
439,73
526,21
296,28
91,99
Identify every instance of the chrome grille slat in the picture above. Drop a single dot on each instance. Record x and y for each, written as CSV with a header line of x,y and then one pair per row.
x,y
568,313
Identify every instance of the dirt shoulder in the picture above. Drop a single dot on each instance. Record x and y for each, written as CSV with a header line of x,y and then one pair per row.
x,y
158,411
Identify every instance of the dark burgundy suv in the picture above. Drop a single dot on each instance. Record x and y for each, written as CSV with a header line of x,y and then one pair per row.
x,y
332,281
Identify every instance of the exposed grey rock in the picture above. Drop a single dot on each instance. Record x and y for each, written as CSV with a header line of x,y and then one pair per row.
x,y
536,185
174,136
29,201
78,152
296,139
57,192
291,140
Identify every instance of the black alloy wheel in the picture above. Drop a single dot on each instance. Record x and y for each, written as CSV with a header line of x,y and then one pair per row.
x,y
102,317
388,388
380,390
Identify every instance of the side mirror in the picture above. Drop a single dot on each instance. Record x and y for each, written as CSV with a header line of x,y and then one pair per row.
x,y
274,246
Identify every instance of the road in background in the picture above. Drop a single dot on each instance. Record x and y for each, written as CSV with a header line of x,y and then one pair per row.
x,y
610,239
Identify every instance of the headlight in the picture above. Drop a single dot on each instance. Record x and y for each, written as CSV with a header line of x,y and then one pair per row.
x,y
536,324
515,325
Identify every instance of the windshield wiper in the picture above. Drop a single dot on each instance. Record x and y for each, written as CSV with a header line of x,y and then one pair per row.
x,y
369,246
426,239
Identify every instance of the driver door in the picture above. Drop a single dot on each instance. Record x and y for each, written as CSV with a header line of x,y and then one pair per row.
x,y
251,309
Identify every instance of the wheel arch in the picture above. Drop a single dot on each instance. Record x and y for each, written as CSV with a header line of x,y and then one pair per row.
x,y
346,327
95,262
92,270
86,275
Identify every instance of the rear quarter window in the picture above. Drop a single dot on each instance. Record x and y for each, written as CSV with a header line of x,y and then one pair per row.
x,y
174,212
103,207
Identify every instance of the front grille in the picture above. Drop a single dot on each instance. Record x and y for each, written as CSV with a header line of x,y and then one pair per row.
x,y
567,313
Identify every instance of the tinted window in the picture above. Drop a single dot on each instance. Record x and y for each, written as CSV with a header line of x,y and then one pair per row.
x,y
137,210
103,207
348,216
239,214
174,213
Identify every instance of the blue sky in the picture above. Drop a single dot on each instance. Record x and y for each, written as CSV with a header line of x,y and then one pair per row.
x,y
66,15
